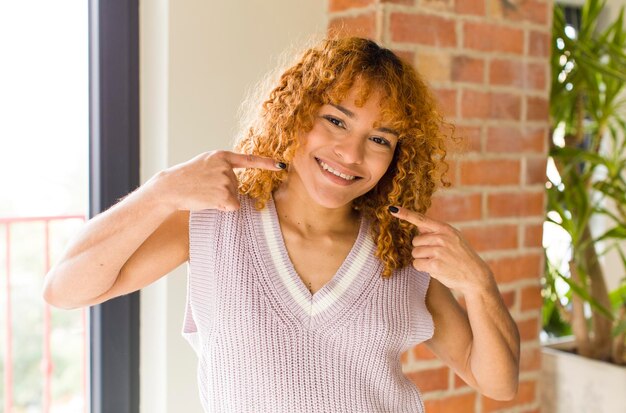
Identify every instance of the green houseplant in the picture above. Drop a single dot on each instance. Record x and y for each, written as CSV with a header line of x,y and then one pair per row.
x,y
587,145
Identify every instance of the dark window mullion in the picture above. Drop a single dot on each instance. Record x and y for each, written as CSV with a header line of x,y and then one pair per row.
x,y
114,172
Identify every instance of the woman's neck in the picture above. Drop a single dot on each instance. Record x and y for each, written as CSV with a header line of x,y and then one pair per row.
x,y
299,212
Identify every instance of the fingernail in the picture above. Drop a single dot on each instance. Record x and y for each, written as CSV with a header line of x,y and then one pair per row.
x,y
281,165
393,209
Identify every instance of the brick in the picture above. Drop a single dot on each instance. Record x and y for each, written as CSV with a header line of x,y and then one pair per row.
x,y
451,208
536,76
506,106
475,104
405,55
537,108
446,98
521,267
459,383
536,170
490,172
340,5
530,359
423,29
485,105
526,394
473,7
536,12
430,379
422,352
515,204
506,72
437,4
539,43
467,69
492,237
507,139
488,37
531,298
363,25
465,403
469,139
525,10
508,298
435,66
533,235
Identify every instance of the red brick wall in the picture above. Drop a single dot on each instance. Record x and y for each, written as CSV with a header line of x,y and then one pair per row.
x,y
487,61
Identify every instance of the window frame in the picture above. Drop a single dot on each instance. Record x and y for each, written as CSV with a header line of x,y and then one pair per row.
x,y
113,173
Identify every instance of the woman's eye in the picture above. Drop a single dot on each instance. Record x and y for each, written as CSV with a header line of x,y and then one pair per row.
x,y
380,141
334,121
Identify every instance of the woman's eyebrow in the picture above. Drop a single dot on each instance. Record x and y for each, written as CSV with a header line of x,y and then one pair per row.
x,y
387,130
345,111
351,115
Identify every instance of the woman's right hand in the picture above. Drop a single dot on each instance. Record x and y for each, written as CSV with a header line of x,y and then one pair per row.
x,y
207,181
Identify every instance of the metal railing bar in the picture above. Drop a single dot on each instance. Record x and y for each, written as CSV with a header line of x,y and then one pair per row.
x,y
47,366
8,347
12,220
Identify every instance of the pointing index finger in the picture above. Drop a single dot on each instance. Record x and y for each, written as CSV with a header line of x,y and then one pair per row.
x,y
419,220
240,160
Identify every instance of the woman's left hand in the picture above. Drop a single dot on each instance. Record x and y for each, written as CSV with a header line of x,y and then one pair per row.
x,y
441,251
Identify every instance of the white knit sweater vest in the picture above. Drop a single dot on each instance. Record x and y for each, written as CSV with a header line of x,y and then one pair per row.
x,y
265,344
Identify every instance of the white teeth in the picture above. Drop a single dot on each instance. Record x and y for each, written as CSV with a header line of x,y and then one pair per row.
x,y
334,172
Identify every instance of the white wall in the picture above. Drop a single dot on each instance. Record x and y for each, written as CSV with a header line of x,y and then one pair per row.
x,y
197,60
571,2
612,261
612,8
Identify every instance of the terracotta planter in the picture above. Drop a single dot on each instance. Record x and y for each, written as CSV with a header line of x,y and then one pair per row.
x,y
574,384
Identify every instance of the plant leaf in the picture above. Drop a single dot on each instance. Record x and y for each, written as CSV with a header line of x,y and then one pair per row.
x,y
619,328
584,294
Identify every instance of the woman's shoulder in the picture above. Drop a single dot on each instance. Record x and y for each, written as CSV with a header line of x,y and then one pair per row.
x,y
246,203
417,281
240,220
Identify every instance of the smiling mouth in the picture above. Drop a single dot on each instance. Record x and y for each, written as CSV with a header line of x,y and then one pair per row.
x,y
335,172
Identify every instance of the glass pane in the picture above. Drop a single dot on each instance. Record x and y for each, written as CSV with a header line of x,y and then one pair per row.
x,y
43,200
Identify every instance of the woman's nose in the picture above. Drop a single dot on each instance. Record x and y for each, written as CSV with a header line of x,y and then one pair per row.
x,y
350,150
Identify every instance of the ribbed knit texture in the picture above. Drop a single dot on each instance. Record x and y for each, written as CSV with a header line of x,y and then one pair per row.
x,y
265,344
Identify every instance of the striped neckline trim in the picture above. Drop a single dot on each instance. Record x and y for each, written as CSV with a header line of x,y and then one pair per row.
x,y
336,288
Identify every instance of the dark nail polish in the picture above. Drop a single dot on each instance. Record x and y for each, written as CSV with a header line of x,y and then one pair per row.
x,y
393,209
281,165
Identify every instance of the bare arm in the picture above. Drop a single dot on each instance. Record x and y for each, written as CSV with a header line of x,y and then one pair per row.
x,y
92,261
495,351
482,345
145,235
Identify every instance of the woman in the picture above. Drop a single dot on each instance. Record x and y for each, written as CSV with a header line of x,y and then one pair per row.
x,y
311,264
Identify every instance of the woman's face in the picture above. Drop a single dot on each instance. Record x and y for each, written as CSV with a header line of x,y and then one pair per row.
x,y
344,156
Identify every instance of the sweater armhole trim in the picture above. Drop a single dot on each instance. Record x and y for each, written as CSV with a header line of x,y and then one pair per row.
x,y
201,236
422,325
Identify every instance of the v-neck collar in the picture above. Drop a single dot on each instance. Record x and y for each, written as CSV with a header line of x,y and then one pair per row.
x,y
346,284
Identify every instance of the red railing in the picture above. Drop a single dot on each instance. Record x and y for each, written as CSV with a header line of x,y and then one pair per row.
x,y
47,367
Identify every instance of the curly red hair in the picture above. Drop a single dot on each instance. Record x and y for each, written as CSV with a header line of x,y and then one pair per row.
x,y
324,74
